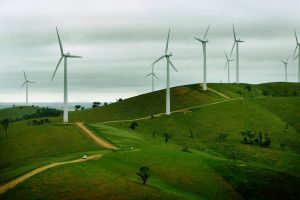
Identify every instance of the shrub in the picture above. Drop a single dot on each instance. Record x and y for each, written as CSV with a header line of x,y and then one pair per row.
x,y
248,136
167,136
186,149
133,125
222,137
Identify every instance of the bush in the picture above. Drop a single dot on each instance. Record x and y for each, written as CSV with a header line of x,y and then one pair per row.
x,y
248,138
133,125
222,137
167,136
186,149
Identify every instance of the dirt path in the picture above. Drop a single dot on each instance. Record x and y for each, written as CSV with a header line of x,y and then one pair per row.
x,y
13,183
175,111
100,141
218,93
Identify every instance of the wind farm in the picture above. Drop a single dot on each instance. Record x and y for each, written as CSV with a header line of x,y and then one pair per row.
x,y
119,123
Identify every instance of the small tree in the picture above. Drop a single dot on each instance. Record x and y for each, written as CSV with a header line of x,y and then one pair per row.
x,y
133,125
77,107
96,104
167,136
144,174
267,141
82,108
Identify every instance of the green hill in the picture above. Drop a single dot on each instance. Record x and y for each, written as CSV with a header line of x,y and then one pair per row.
x,y
17,112
206,157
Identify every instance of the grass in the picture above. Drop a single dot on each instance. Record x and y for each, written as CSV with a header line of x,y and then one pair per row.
x,y
17,112
206,172
27,146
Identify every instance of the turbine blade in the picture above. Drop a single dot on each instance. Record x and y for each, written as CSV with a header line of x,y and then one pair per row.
x,y
226,64
148,75
155,76
31,82
226,56
206,32
172,65
25,75
282,61
167,45
73,56
234,32
198,39
296,36
287,59
56,67
60,45
232,49
158,60
295,51
23,85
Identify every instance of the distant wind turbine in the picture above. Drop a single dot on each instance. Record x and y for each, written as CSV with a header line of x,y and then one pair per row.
x,y
64,56
285,67
204,41
227,65
167,56
236,42
152,74
26,82
298,55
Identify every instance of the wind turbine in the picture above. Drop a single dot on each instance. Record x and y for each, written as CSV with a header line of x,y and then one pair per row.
x,y
227,65
236,42
285,67
152,74
204,41
167,56
65,57
297,47
26,82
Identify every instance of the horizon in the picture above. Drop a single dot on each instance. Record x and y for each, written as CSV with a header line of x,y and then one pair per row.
x,y
119,41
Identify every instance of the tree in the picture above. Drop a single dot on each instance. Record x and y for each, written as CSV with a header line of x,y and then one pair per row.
x,y
191,134
82,108
144,174
5,124
77,107
167,136
96,104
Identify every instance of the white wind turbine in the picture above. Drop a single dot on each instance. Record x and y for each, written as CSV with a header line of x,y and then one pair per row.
x,y
227,65
26,82
64,56
236,42
285,67
167,56
298,55
204,41
152,74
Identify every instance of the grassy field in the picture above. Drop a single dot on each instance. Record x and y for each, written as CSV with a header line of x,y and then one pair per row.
x,y
194,164
17,112
27,146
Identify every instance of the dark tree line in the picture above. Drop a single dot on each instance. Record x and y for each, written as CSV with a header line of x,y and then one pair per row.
x,y
44,112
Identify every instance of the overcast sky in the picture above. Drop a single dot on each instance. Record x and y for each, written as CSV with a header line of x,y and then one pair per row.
x,y
119,39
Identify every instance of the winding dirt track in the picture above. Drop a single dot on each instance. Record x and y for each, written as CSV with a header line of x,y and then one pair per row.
x,y
100,141
13,183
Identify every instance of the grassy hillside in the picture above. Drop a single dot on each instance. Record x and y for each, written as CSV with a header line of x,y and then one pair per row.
x,y
196,163
148,104
28,146
17,112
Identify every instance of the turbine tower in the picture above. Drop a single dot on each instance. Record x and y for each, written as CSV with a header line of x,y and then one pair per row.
x,y
285,67
65,57
167,56
227,65
26,82
152,74
204,41
236,42
298,55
